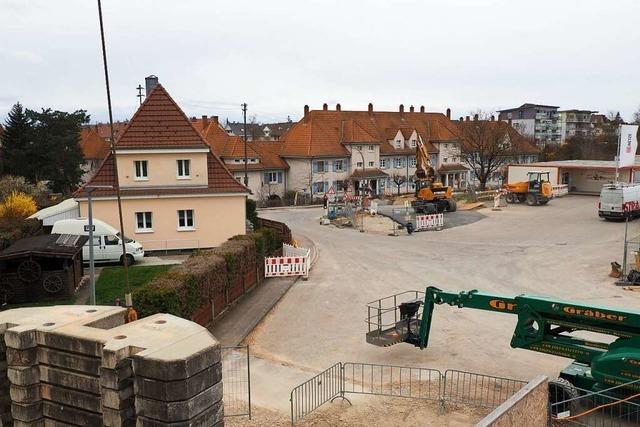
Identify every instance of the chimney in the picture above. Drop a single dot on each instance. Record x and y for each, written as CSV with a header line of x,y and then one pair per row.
x,y
461,119
493,118
411,109
325,107
338,108
214,119
401,109
475,117
150,82
422,108
306,111
205,121
509,122
449,113
467,118
370,108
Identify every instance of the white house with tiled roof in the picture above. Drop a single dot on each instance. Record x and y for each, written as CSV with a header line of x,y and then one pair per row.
x,y
176,192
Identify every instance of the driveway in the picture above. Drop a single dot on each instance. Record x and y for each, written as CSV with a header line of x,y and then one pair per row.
x,y
562,249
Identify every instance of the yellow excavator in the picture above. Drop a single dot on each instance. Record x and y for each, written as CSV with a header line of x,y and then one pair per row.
x,y
431,196
536,191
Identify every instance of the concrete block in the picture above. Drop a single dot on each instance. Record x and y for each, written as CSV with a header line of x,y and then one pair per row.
x,y
71,343
27,412
37,423
20,337
115,399
75,380
28,394
120,417
179,411
171,391
6,419
63,359
66,396
23,375
117,378
197,353
66,413
24,357
211,417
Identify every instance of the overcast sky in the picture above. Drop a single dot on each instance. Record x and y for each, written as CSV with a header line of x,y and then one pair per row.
x,y
280,55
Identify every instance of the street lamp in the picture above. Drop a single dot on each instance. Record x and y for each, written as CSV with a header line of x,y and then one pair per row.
x,y
90,227
361,188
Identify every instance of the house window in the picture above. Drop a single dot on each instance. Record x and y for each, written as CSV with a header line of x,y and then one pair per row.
x,y
320,187
338,165
445,160
454,159
398,143
185,219
413,143
359,164
143,222
446,145
184,169
320,166
371,148
384,164
370,164
412,162
141,169
397,162
236,160
273,177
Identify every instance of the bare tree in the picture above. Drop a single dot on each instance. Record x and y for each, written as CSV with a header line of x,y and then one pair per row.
x,y
636,117
485,145
398,180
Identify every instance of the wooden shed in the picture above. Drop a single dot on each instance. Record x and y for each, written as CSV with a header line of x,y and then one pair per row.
x,y
41,268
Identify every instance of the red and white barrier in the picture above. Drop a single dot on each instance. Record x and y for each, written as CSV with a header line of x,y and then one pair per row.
x,y
560,190
294,262
429,222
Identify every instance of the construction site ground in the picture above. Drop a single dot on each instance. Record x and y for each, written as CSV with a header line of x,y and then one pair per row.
x,y
562,249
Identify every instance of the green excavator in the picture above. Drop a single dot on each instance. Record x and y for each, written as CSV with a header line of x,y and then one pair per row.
x,y
544,324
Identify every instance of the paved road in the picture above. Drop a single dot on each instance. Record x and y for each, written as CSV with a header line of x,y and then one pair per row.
x,y
561,249
451,219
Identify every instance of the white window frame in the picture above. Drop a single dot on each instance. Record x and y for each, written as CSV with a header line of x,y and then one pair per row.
x,y
384,163
397,162
371,148
186,227
371,164
147,222
339,162
183,162
273,174
398,144
413,143
138,167
413,162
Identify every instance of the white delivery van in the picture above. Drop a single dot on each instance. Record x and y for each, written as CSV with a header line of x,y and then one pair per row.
x,y
107,245
619,201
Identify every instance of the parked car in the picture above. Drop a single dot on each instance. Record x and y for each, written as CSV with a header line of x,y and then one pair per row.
x,y
107,243
619,201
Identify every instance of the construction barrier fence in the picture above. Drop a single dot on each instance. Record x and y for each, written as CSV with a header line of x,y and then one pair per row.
x,y
560,190
429,222
236,381
454,387
293,262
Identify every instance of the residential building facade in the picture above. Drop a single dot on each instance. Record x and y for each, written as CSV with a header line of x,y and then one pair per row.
x,y
538,121
176,192
576,123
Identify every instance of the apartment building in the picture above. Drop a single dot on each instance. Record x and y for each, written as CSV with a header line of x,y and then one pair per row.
x,y
536,120
176,192
575,123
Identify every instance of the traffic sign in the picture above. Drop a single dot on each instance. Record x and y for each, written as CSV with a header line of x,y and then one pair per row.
x,y
86,228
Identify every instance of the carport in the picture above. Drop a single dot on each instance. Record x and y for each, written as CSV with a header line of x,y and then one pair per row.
x,y
581,176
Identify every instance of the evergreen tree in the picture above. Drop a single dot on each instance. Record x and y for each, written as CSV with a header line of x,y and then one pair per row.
x,y
56,139
16,146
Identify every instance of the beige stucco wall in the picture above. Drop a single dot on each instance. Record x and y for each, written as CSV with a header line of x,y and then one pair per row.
x,y
449,151
518,173
260,190
162,169
369,155
216,218
299,173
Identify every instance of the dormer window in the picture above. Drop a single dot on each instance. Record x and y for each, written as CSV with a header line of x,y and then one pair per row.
x,y
398,144
184,169
412,144
141,170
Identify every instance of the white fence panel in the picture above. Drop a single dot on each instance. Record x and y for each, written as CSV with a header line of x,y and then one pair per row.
x,y
560,190
293,262
429,222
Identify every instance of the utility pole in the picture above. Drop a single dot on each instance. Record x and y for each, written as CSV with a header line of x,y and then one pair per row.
x,y
140,95
244,115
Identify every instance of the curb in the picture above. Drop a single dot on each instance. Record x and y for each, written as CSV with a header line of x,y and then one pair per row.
x,y
288,207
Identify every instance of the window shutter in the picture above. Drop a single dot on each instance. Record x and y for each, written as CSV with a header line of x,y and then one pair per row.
x,y
279,177
315,166
266,178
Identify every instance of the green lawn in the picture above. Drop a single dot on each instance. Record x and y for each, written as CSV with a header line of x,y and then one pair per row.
x,y
110,284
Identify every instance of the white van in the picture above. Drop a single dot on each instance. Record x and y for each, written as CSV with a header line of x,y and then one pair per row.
x,y
619,201
107,246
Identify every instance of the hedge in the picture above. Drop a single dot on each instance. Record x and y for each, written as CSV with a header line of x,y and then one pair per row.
x,y
185,288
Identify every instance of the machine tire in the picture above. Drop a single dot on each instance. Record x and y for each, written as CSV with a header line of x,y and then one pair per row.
x,y
543,202
511,198
559,391
453,205
128,259
522,198
532,200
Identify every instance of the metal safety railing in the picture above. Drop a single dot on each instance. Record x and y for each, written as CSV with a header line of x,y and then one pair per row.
x,y
383,314
454,387
236,381
613,407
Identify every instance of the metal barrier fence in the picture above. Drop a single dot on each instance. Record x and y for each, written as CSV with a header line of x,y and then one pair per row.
x,y
454,387
607,408
484,391
236,381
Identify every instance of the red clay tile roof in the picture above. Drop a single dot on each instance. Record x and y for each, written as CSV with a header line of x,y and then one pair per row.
x,y
269,152
323,134
92,144
519,143
369,173
160,123
452,167
104,130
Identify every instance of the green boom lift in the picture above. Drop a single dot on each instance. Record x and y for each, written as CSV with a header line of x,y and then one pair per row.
x,y
544,325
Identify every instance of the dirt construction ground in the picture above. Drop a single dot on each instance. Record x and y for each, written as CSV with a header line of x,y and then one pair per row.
x,y
562,249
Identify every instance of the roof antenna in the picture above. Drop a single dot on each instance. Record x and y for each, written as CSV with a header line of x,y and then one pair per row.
x,y
140,95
